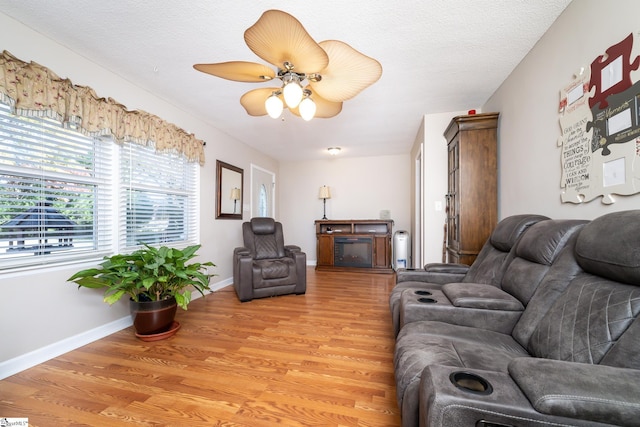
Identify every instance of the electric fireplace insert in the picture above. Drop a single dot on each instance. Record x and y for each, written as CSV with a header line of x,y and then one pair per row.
x,y
353,252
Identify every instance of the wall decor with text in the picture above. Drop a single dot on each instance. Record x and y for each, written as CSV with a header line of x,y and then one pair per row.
x,y
600,126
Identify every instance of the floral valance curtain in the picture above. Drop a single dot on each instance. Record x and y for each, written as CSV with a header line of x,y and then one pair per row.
x,y
31,89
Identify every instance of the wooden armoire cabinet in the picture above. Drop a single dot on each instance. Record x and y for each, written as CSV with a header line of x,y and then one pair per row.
x,y
472,197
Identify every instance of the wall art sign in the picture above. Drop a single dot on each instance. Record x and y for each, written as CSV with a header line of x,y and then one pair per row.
x,y
600,125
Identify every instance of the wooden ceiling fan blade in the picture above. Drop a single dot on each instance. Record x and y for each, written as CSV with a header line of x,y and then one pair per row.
x,y
239,71
324,109
349,72
278,37
253,101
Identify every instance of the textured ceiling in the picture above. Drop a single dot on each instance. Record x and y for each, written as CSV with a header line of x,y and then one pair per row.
x,y
437,56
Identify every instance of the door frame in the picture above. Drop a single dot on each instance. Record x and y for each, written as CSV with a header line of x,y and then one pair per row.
x,y
417,260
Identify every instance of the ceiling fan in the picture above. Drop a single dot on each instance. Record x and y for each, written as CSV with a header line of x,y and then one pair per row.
x,y
332,70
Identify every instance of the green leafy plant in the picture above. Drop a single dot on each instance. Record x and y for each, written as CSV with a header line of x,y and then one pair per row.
x,y
148,274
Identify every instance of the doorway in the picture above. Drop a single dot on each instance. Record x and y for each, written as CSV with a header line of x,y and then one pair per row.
x,y
418,226
263,190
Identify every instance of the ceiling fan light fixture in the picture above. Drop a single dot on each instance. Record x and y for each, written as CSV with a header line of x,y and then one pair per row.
x,y
334,151
307,108
274,106
292,92
332,69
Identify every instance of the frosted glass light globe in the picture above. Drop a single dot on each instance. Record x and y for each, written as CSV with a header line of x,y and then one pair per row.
x,y
307,109
274,106
292,94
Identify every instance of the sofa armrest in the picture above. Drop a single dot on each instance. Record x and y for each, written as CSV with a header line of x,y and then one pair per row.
x,y
578,390
300,258
479,295
453,268
242,273
289,249
296,253
241,251
439,273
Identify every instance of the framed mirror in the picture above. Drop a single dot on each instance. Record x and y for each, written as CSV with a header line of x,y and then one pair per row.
x,y
229,191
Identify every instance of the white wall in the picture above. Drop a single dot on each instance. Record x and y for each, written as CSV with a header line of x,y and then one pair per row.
x,y
360,188
40,308
529,160
435,171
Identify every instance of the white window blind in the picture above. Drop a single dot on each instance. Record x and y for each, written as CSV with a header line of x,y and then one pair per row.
x,y
55,196
66,197
158,198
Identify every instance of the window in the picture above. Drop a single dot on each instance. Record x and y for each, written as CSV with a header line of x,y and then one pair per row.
x,y
65,196
262,204
53,192
157,197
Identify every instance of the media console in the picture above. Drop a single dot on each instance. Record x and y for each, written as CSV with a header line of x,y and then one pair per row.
x,y
354,245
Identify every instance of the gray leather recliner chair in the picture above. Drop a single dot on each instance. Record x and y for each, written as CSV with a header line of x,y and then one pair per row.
x,y
265,266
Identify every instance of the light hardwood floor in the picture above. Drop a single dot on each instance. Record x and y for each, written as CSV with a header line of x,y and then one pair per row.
x,y
320,359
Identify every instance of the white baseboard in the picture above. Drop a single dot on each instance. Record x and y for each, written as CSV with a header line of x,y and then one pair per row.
x,y
33,358
216,286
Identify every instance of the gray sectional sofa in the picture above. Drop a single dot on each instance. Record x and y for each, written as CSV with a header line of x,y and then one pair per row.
x,y
555,341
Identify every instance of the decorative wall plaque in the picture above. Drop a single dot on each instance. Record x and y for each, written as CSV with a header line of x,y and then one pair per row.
x,y
600,125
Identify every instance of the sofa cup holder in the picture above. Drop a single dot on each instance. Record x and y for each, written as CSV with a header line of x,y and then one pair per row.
x,y
470,382
427,300
423,293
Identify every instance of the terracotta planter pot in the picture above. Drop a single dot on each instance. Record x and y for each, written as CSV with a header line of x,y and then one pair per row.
x,y
153,317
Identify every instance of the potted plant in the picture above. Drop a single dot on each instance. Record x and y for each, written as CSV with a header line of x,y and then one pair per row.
x,y
156,280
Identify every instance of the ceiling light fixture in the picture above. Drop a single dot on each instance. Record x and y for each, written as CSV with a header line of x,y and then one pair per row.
x,y
325,74
294,94
334,150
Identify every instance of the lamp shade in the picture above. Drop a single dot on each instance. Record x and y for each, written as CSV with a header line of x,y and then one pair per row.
x,y
325,192
235,194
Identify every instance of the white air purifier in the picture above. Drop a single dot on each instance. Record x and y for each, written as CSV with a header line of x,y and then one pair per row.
x,y
401,250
